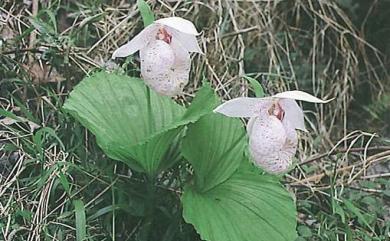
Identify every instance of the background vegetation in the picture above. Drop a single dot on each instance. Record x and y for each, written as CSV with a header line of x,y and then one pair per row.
x,y
55,179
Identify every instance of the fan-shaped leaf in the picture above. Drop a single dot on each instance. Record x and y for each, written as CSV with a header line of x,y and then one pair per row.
x,y
248,206
215,147
127,127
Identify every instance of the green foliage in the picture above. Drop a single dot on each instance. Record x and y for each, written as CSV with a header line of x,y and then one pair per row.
x,y
146,12
135,125
115,108
215,147
227,203
359,216
247,206
46,172
132,124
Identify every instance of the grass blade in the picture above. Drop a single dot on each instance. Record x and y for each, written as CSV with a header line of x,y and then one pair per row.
x,y
146,12
256,86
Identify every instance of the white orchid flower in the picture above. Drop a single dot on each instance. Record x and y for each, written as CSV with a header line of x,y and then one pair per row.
x,y
164,52
271,127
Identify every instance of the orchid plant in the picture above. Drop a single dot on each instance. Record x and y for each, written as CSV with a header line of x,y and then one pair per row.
x,y
271,127
164,48
225,196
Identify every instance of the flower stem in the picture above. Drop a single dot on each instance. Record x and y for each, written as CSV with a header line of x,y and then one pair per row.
x,y
149,104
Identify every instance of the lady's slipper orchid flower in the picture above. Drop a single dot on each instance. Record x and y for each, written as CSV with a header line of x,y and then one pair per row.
x,y
164,52
271,127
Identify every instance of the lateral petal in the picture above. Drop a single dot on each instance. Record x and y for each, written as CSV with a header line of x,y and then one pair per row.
x,y
249,126
293,114
180,71
244,107
138,42
188,41
299,95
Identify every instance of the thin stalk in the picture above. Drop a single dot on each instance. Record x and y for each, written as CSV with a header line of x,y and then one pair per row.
x,y
149,106
151,206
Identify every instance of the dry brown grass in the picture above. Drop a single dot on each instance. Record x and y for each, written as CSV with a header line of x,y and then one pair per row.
x,y
309,44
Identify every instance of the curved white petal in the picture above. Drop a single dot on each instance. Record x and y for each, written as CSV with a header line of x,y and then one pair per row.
x,y
179,24
292,137
244,107
138,42
271,143
293,114
299,95
188,41
249,126
180,71
165,67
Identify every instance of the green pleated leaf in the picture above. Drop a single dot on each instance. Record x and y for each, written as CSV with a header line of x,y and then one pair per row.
x,y
115,109
248,206
230,200
215,146
150,153
204,102
127,127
